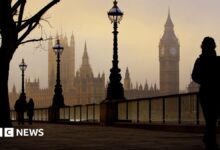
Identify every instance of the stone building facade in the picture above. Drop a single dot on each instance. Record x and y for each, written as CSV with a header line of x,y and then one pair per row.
x,y
139,90
80,87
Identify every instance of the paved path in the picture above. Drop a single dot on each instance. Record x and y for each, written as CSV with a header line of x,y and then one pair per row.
x,y
72,137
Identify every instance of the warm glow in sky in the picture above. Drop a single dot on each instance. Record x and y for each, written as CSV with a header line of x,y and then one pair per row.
x,y
139,35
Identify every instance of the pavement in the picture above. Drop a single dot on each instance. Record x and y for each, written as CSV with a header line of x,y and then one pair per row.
x,y
88,137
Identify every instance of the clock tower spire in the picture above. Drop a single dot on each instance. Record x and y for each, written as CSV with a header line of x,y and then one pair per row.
x,y
169,56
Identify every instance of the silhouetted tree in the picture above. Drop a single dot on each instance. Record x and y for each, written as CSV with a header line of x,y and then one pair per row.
x,y
14,29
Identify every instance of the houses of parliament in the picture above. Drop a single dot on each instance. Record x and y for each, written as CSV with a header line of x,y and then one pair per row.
x,y
83,87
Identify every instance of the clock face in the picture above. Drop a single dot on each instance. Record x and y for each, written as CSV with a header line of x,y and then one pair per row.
x,y
173,51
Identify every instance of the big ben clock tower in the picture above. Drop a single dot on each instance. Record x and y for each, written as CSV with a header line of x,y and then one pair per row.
x,y
169,56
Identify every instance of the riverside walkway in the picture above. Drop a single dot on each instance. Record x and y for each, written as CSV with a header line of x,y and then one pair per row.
x,y
87,137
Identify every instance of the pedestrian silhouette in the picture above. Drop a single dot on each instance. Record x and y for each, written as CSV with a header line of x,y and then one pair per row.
x,y
30,110
206,73
20,108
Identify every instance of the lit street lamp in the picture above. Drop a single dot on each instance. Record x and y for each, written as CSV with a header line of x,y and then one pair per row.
x,y
58,100
115,89
23,67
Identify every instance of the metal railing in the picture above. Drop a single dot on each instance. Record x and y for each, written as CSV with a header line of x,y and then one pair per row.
x,y
171,109
40,114
81,113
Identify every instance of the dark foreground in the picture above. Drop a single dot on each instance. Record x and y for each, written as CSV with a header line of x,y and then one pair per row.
x,y
73,137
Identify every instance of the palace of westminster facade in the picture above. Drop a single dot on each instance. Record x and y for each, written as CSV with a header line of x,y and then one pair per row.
x,y
82,87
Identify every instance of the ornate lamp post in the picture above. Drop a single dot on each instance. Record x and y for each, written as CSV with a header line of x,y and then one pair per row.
x,y
23,67
58,100
115,89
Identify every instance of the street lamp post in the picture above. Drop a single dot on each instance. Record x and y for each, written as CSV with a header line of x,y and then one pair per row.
x,y
23,67
58,100
115,90
20,105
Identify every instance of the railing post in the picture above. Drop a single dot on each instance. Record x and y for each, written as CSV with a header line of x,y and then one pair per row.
x,y
179,109
69,112
137,111
126,110
37,117
80,113
93,112
149,110
197,109
74,110
47,119
109,112
164,111
87,113
54,114
43,118
42,111
40,114
43,115
64,114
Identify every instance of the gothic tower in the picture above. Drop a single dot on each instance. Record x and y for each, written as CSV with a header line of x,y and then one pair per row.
x,y
169,56
85,69
89,89
72,44
127,80
67,67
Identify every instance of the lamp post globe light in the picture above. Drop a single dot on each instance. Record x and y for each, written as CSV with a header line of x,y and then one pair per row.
x,y
115,89
58,100
23,67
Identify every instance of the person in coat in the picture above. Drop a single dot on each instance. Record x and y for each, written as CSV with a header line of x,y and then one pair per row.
x,y
30,110
206,74
20,108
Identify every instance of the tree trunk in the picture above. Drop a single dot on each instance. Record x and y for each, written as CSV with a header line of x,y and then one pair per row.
x,y
5,120
9,44
9,30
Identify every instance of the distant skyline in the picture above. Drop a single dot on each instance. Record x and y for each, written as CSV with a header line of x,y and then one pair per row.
x,y
139,35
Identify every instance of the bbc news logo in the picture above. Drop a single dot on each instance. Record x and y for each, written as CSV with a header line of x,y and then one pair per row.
x,y
11,132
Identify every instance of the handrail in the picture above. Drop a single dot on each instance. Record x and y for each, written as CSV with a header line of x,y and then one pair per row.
x,y
141,110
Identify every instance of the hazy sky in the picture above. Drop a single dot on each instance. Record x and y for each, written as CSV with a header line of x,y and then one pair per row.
x,y
139,35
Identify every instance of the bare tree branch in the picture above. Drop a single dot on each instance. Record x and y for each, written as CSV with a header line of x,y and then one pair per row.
x,y
16,5
42,46
31,23
37,16
45,19
32,40
29,29
24,20
21,12
39,39
27,32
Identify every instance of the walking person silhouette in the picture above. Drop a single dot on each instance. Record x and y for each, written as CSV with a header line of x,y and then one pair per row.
x,y
20,108
30,110
206,73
